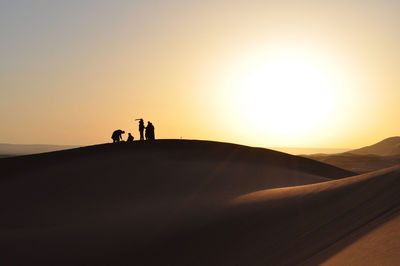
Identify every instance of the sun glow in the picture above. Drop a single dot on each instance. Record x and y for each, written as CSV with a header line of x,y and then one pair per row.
x,y
286,96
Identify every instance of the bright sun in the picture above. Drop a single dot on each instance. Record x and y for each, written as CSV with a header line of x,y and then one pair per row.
x,y
286,96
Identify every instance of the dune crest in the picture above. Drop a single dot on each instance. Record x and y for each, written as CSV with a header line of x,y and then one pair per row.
x,y
189,202
387,147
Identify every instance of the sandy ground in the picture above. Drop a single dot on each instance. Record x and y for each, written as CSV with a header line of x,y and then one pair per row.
x,y
178,202
377,243
356,162
383,154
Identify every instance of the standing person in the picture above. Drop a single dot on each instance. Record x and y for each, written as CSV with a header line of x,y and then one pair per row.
x,y
117,135
152,136
141,128
148,131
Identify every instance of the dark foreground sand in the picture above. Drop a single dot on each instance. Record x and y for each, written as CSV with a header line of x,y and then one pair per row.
x,y
375,244
184,203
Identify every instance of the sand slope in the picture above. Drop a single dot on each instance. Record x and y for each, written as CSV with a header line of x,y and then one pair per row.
x,y
383,154
181,203
356,162
378,243
387,147
22,149
313,217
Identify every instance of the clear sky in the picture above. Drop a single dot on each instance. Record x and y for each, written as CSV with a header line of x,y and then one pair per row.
x,y
263,73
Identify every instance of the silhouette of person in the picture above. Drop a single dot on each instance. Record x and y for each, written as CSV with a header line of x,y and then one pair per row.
x,y
141,129
149,131
130,138
152,135
117,135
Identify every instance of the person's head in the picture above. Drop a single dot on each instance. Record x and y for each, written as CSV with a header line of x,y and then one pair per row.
x,y
129,134
122,132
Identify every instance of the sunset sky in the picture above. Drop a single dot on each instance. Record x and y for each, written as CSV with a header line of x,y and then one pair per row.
x,y
261,73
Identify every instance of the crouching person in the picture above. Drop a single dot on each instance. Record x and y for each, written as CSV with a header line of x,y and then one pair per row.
x,y
117,135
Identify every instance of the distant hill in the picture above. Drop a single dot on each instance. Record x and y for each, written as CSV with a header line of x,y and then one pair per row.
x,y
386,147
8,150
370,158
301,151
355,162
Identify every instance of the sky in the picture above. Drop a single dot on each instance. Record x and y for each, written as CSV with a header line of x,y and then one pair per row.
x,y
259,73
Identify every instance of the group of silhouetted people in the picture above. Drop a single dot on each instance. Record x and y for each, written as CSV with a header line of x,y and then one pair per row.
x,y
148,132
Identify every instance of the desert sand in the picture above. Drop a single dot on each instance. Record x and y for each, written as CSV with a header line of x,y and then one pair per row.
x,y
387,147
383,154
9,150
375,244
357,163
181,202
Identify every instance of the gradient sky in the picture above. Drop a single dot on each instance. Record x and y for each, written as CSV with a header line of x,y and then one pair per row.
x,y
73,71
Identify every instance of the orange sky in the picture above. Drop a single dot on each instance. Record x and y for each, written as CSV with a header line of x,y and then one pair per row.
x,y
72,72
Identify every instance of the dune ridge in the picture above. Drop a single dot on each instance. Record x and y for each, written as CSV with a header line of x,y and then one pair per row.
x,y
198,150
356,162
383,154
176,202
287,226
387,147
23,149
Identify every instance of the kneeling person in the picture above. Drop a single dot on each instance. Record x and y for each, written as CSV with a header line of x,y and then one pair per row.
x,y
130,138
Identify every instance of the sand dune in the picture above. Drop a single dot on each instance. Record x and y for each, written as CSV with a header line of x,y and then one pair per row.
x,y
305,151
378,243
313,217
8,150
178,202
383,154
387,147
356,162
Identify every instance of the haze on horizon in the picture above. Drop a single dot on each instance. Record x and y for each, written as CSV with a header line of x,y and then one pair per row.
x,y
262,73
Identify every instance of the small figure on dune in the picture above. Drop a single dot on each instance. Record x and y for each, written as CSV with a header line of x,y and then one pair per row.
x,y
141,128
130,138
152,135
147,132
117,135
150,131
